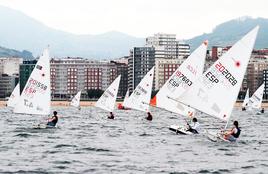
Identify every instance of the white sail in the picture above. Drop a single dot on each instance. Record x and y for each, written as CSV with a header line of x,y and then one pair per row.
x,y
14,97
108,98
256,99
76,100
215,92
126,98
246,99
182,79
36,95
140,98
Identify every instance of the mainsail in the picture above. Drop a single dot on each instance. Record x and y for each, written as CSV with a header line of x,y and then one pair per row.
x,y
14,97
215,92
36,95
76,100
108,98
140,98
256,99
182,79
126,98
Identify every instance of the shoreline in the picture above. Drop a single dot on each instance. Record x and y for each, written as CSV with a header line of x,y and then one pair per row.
x,y
92,103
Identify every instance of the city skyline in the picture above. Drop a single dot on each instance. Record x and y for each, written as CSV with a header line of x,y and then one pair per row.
x,y
186,19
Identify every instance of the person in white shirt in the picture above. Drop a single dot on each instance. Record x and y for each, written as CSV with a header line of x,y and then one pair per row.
x,y
194,127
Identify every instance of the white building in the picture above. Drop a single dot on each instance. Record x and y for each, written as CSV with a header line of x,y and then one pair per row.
x,y
10,66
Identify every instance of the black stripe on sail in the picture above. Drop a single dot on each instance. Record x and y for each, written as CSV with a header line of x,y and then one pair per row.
x,y
39,67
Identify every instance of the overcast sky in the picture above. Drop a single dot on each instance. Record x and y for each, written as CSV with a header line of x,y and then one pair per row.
x,y
141,18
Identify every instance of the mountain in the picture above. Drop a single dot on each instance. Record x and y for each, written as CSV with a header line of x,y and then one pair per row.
x,y
231,31
21,32
5,52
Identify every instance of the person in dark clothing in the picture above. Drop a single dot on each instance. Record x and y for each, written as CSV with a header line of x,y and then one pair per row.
x,y
262,110
149,116
111,116
234,133
194,127
53,120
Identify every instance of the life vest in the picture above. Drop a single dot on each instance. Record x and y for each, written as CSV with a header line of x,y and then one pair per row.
x,y
236,135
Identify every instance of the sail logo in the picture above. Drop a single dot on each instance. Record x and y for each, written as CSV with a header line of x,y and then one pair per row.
x,y
28,103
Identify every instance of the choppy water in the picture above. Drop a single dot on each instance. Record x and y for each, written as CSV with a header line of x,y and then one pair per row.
x,y
86,142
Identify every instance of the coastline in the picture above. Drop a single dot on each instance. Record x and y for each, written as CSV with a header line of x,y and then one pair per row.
x,y
92,103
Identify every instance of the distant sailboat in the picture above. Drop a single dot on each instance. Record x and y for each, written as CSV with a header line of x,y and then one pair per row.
x,y
14,97
182,79
108,98
255,100
140,97
36,95
122,105
246,100
76,100
215,92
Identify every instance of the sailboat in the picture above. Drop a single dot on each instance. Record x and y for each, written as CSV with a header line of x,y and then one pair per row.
x,y
14,97
182,79
140,97
76,100
108,98
246,100
35,98
255,100
122,105
215,92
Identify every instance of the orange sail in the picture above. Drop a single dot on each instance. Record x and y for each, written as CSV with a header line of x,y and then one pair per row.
x,y
153,101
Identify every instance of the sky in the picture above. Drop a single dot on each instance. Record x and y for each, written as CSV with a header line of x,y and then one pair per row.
x,y
140,18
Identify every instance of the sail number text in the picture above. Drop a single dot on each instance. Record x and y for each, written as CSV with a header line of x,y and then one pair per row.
x,y
213,77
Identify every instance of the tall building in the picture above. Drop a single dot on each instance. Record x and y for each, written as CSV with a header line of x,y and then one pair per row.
x,y
167,46
7,85
165,43
140,61
183,50
265,81
254,75
25,71
10,66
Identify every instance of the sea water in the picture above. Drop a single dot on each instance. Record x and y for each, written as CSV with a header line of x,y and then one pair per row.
x,y
86,141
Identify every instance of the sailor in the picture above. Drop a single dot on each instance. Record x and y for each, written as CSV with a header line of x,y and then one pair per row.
x,y
111,116
194,127
262,110
53,120
233,133
149,116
